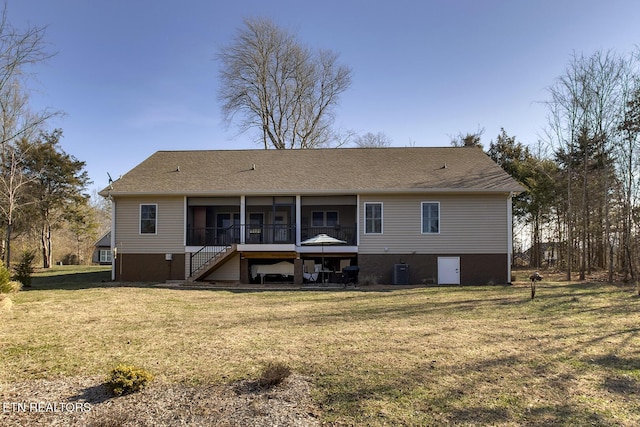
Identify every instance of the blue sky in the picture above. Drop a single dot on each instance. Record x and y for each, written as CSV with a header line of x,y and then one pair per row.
x,y
137,76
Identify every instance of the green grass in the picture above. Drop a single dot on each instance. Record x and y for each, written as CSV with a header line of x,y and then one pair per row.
x,y
429,356
71,276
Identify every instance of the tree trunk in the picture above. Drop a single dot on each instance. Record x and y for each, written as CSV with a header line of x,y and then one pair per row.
x,y
50,256
534,260
7,253
45,241
607,231
569,244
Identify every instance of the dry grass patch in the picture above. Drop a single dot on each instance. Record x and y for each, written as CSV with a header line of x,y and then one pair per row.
x,y
476,355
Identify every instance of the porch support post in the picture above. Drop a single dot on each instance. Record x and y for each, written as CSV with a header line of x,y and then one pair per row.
x,y
243,218
298,277
298,220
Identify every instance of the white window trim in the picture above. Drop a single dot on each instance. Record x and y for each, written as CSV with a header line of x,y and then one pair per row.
x,y
140,220
105,255
381,217
422,217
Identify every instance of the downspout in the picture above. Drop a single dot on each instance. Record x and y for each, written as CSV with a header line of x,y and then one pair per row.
x,y
185,223
509,236
243,218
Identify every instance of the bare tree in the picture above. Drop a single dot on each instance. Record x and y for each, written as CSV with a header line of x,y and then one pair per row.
x,y
371,140
13,194
19,49
273,84
468,140
628,154
583,126
566,115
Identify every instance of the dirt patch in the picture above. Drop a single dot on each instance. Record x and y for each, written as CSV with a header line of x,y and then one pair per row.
x,y
86,402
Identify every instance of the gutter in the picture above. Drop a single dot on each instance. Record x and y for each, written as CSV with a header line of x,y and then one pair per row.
x,y
506,191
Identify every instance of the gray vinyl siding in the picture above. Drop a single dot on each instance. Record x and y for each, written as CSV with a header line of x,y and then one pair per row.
x,y
169,237
470,224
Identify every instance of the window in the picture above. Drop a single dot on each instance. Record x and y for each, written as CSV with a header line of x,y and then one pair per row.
x,y
317,219
373,218
324,219
105,255
148,219
430,217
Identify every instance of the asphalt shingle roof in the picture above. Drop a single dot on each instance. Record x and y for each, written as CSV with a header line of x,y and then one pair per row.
x,y
337,170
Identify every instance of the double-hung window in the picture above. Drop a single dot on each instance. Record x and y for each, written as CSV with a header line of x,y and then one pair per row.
x,y
148,219
430,217
105,255
373,218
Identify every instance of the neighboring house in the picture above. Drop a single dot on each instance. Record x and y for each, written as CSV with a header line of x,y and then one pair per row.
x,y
407,215
102,250
548,253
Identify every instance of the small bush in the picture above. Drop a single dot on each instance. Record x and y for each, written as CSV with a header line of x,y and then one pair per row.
x,y
70,259
273,374
24,269
5,278
127,379
11,287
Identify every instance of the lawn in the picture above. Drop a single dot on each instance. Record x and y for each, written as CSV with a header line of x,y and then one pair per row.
x,y
426,356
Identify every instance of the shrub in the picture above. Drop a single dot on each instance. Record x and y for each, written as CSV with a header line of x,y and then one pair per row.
x,y
70,259
11,287
6,285
5,278
127,379
273,374
24,269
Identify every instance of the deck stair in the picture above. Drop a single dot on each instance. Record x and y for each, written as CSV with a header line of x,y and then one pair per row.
x,y
208,259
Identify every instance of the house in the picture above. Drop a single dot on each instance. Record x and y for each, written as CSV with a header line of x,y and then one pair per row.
x,y
407,215
543,254
102,250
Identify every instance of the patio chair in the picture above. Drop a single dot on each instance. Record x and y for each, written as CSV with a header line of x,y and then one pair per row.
x,y
309,271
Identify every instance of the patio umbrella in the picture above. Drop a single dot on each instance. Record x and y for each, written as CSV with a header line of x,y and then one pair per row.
x,y
322,240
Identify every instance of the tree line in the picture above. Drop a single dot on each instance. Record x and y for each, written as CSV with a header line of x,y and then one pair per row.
x,y
582,181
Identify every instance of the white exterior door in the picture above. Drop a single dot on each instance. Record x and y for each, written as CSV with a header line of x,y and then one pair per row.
x,y
281,227
448,270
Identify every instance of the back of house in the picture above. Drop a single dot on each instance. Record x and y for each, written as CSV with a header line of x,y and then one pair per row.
x,y
397,216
